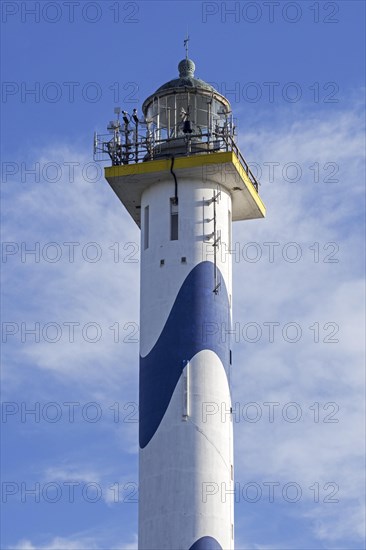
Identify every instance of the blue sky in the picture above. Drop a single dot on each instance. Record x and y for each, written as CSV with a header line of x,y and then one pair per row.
x,y
309,136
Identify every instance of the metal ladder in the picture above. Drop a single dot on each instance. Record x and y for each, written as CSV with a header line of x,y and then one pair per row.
x,y
215,235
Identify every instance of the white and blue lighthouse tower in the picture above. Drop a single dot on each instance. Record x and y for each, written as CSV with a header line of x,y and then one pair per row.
x,y
182,178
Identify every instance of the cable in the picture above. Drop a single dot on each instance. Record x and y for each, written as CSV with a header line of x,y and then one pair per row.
x,y
175,180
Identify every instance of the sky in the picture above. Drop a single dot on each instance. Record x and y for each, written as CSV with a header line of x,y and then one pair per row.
x,y
294,74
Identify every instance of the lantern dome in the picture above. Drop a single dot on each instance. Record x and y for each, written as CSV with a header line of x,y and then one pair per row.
x,y
187,107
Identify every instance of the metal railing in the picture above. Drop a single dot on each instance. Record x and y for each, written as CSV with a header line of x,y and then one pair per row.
x,y
121,150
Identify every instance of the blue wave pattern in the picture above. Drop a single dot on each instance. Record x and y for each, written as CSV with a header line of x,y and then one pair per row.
x,y
194,324
206,543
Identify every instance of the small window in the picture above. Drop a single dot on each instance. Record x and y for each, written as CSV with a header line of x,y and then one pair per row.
x,y
146,227
174,219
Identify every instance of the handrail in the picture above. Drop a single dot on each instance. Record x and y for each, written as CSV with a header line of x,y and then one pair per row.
x,y
148,148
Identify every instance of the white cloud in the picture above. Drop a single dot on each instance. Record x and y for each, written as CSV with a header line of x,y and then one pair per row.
x,y
71,472
84,543
330,529
107,480
305,292
104,293
130,546
58,543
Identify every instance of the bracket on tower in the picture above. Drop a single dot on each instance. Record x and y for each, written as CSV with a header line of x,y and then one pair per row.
x,y
206,237
216,243
186,401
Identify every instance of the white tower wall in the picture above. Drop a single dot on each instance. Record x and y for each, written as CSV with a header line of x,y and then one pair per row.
x,y
186,453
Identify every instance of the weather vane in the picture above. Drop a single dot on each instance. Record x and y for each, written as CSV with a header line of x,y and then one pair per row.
x,y
186,45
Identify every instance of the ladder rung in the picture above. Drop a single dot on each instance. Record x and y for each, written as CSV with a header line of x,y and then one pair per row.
x,y
215,290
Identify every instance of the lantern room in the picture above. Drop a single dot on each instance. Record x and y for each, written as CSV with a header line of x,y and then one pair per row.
x,y
187,110
186,131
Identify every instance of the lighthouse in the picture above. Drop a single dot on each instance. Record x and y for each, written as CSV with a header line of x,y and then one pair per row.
x,y
178,171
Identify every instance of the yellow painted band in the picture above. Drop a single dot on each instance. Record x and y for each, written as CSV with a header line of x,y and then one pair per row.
x,y
162,165
244,176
